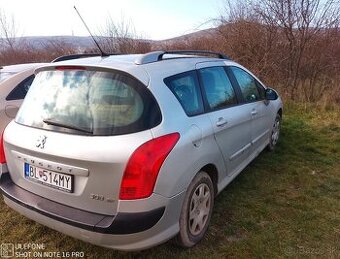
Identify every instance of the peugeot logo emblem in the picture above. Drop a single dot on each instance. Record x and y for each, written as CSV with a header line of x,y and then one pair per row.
x,y
41,142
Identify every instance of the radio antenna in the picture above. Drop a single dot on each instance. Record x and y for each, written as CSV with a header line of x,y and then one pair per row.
x,y
102,53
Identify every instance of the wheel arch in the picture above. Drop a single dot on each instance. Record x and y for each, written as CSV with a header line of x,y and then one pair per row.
x,y
212,171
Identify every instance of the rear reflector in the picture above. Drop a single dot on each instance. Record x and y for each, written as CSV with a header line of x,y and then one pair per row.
x,y
2,150
143,167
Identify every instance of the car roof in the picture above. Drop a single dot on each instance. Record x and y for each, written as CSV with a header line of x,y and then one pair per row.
x,y
11,71
142,66
19,67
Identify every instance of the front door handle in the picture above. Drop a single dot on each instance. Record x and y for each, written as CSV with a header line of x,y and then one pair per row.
x,y
253,112
221,122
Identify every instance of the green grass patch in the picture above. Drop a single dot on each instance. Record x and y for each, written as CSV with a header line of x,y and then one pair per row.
x,y
285,203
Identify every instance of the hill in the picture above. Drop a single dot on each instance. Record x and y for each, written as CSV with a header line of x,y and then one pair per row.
x,y
82,43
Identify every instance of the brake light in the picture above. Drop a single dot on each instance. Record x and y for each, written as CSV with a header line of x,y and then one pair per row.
x,y
2,151
70,68
143,167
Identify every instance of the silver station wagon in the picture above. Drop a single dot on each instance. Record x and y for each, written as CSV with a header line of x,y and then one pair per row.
x,y
128,151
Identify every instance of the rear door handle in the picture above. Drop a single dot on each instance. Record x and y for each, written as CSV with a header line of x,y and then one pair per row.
x,y
221,122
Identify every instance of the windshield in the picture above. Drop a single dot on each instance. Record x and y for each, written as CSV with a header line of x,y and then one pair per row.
x,y
88,102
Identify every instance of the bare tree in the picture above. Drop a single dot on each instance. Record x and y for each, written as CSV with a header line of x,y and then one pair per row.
x,y
247,39
300,21
121,37
8,31
56,47
290,43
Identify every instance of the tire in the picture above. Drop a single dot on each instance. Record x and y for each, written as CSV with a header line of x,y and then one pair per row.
x,y
275,133
196,211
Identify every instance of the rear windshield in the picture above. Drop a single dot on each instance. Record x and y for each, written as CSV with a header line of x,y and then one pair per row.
x,y
89,102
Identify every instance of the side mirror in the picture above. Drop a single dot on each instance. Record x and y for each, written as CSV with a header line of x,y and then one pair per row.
x,y
271,94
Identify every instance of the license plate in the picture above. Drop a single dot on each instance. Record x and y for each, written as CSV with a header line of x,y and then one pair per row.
x,y
63,182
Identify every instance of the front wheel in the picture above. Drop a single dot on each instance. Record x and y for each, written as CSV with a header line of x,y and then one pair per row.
x,y
275,133
196,210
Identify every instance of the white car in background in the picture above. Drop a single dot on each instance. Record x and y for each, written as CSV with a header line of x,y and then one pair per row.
x,y
15,81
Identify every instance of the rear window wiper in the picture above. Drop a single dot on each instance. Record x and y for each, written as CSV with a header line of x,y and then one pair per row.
x,y
67,126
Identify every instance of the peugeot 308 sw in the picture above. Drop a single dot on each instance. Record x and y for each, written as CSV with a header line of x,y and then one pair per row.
x,y
128,151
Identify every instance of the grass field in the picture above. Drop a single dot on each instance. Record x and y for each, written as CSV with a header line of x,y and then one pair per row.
x,y
285,203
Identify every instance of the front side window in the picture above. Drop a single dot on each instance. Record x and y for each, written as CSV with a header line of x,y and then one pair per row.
x,y
247,85
92,102
186,89
218,88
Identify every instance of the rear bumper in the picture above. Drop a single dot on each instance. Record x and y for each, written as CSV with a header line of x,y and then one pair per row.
x,y
3,169
122,223
124,231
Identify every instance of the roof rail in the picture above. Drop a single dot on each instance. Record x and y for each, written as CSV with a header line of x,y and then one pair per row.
x,y
193,52
75,56
155,56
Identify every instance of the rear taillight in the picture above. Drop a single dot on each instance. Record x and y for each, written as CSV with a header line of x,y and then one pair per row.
x,y
2,150
143,167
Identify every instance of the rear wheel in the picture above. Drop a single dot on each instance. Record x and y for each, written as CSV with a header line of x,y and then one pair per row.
x,y
275,133
196,210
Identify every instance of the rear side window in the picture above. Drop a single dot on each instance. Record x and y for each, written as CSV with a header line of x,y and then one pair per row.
x,y
20,91
247,84
89,102
186,88
218,88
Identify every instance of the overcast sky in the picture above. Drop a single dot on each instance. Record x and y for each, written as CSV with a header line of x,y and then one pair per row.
x,y
154,19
